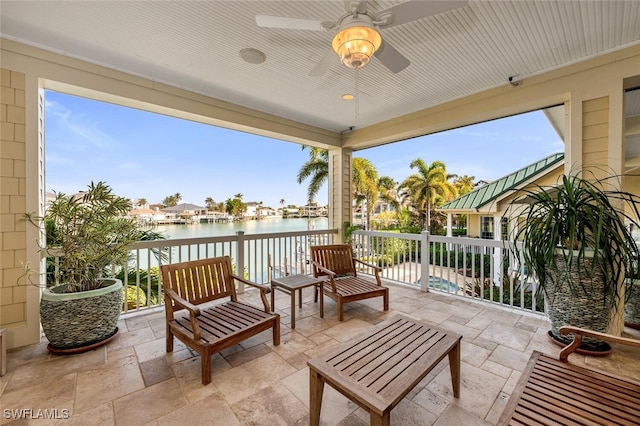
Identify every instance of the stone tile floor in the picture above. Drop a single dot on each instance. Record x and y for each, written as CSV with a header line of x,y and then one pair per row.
x,y
132,381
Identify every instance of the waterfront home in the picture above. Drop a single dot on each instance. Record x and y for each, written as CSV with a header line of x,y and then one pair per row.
x,y
147,216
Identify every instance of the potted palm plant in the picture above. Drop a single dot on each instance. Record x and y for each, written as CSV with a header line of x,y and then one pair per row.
x,y
574,240
632,297
92,238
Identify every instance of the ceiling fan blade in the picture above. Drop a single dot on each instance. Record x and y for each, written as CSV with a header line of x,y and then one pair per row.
x,y
391,58
325,63
289,23
413,10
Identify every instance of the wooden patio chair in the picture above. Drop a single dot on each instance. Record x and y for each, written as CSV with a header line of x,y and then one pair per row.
x,y
343,285
210,328
557,392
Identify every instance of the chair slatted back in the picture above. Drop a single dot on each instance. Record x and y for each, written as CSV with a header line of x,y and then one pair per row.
x,y
200,281
335,257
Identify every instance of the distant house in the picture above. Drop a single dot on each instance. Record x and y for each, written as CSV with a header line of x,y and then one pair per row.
x,y
290,213
146,216
486,205
253,207
313,210
187,211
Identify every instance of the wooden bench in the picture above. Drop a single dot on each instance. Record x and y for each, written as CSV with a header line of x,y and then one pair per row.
x,y
380,367
214,327
337,263
556,392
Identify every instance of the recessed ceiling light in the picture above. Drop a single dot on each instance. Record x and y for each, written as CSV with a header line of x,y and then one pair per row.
x,y
253,56
347,96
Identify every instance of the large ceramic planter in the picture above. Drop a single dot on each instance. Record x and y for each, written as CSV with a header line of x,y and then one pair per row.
x,y
579,308
82,319
632,304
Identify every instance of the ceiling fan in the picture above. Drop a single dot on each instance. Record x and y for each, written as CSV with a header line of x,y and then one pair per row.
x,y
357,31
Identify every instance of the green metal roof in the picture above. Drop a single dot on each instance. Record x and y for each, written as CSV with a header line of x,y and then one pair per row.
x,y
491,191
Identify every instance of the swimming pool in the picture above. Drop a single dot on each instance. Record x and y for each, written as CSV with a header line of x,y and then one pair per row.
x,y
439,283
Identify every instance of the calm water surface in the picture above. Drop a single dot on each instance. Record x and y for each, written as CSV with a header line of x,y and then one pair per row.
x,y
258,270
249,227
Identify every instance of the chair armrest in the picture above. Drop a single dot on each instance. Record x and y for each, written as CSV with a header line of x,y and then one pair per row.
x,y
193,310
264,290
328,272
578,333
376,269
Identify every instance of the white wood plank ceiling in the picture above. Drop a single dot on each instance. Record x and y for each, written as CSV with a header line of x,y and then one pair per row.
x,y
195,45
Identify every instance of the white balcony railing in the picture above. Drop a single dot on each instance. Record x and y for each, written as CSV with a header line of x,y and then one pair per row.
x,y
472,268
478,269
256,256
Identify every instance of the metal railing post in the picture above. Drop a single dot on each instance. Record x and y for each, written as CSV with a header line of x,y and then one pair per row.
x,y
424,261
240,258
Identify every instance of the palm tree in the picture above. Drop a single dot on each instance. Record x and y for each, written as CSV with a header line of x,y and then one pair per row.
x,y
388,190
238,196
172,200
365,185
317,168
210,203
464,184
427,185
142,202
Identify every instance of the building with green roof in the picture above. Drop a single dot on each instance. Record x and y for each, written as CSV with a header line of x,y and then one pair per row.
x,y
486,205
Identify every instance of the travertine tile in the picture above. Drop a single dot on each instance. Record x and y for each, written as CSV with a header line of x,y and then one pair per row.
x,y
273,405
455,415
431,316
131,338
98,416
478,389
155,371
347,329
248,378
510,357
52,393
153,349
257,383
107,382
239,358
55,366
473,354
507,336
212,410
291,345
150,403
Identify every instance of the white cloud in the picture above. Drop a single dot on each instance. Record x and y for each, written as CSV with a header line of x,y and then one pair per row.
x,y
78,125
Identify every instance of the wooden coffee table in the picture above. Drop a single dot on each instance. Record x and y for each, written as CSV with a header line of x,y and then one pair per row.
x,y
289,285
379,368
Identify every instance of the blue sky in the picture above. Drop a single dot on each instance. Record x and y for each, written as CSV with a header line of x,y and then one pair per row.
x,y
145,155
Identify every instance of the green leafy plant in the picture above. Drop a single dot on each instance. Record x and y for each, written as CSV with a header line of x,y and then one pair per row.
x,y
575,240
91,235
578,220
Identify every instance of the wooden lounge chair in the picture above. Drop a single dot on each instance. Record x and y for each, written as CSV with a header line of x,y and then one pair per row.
x,y
336,262
214,327
557,392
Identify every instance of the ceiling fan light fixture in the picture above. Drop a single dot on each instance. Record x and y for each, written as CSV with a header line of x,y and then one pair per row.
x,y
355,45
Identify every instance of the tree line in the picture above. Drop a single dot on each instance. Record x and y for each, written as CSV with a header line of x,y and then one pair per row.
x,y
413,200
